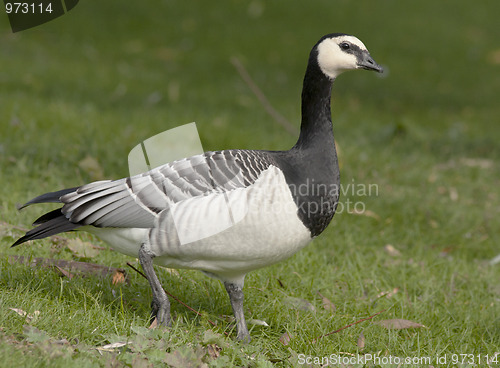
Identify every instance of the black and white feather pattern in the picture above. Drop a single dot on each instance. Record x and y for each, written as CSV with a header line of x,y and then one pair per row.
x,y
136,201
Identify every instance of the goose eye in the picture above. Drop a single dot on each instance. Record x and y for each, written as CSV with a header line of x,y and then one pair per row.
x,y
345,46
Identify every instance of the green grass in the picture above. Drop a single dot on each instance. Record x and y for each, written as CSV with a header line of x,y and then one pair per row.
x,y
426,134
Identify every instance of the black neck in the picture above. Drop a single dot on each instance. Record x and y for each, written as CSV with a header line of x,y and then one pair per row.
x,y
313,162
316,126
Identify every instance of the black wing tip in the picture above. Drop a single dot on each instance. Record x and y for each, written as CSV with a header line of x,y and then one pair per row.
x,y
20,206
19,241
52,222
50,197
48,216
53,226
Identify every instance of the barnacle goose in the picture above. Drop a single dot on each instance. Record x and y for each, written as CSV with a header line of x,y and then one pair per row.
x,y
227,212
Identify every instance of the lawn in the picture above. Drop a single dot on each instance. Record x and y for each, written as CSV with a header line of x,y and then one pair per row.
x,y
420,166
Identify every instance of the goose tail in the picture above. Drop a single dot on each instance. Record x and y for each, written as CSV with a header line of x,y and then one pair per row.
x,y
51,223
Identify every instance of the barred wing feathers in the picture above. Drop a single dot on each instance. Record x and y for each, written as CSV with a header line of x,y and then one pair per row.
x,y
136,201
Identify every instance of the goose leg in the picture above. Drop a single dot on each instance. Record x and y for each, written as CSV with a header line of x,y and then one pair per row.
x,y
235,293
160,306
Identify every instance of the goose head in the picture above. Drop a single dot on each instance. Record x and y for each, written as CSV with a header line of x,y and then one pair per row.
x,y
338,52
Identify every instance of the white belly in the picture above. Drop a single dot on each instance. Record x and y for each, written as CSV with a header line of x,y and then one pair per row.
x,y
124,240
265,230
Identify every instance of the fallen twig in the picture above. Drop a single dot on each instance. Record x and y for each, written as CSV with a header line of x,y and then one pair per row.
x,y
349,325
67,268
280,119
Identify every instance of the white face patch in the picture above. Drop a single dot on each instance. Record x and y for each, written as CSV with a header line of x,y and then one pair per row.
x,y
332,60
353,40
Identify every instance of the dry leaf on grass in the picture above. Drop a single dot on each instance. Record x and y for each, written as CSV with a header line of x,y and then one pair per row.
x,y
110,347
327,303
172,271
285,339
251,321
434,224
119,277
138,361
482,163
5,229
213,350
34,335
92,168
453,194
82,249
186,357
361,341
495,260
398,324
366,213
299,303
29,316
388,294
257,322
211,337
393,252
153,324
